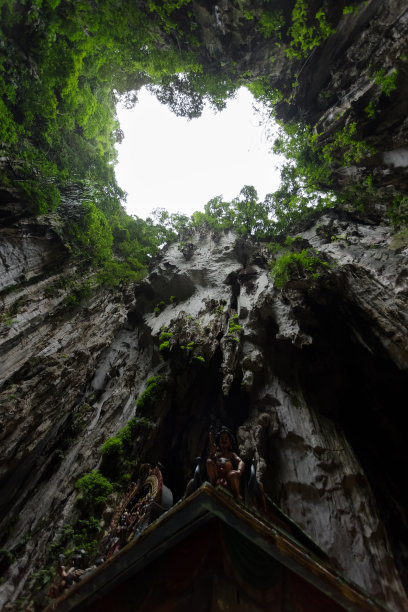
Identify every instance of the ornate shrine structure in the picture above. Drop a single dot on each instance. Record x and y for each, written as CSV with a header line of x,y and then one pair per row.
x,y
211,552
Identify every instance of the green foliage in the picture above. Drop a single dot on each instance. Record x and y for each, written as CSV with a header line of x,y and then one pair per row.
x,y
290,264
306,174
349,9
114,273
92,235
398,212
266,95
81,290
165,335
150,395
164,338
43,578
63,67
370,110
186,94
249,15
94,489
117,444
305,33
305,178
167,12
199,358
187,347
82,534
112,446
245,214
7,319
234,328
118,450
352,150
387,82
159,307
270,23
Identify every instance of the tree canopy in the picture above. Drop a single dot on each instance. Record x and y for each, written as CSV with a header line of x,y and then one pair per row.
x,y
64,66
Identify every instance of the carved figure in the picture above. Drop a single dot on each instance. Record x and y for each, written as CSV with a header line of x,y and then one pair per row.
x,y
224,467
145,501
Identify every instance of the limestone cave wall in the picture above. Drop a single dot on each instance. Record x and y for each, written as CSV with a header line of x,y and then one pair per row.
x,y
313,383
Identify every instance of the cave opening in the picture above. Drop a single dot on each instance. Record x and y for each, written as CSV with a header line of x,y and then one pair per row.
x,y
197,405
201,143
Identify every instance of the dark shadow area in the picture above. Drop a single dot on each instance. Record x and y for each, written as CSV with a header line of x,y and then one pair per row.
x,y
197,405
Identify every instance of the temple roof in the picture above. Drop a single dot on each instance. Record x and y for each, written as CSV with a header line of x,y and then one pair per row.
x,y
187,517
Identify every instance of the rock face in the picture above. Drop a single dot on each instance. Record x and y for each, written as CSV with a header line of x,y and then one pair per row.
x,y
308,375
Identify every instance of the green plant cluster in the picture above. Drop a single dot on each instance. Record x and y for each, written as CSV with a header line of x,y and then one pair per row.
x,y
271,23
117,452
351,149
94,489
350,9
164,339
398,212
307,32
83,534
234,328
386,81
289,264
245,214
80,291
370,109
187,347
150,395
159,307
199,358
7,319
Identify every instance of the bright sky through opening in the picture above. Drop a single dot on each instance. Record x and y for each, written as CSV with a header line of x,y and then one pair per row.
x,y
170,162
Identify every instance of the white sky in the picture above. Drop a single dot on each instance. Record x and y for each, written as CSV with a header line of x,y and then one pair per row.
x,y
179,165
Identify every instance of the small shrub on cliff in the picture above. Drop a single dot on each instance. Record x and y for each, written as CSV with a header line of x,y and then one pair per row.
x,y
290,264
94,489
151,393
199,358
117,452
398,212
234,328
112,446
387,82
117,444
